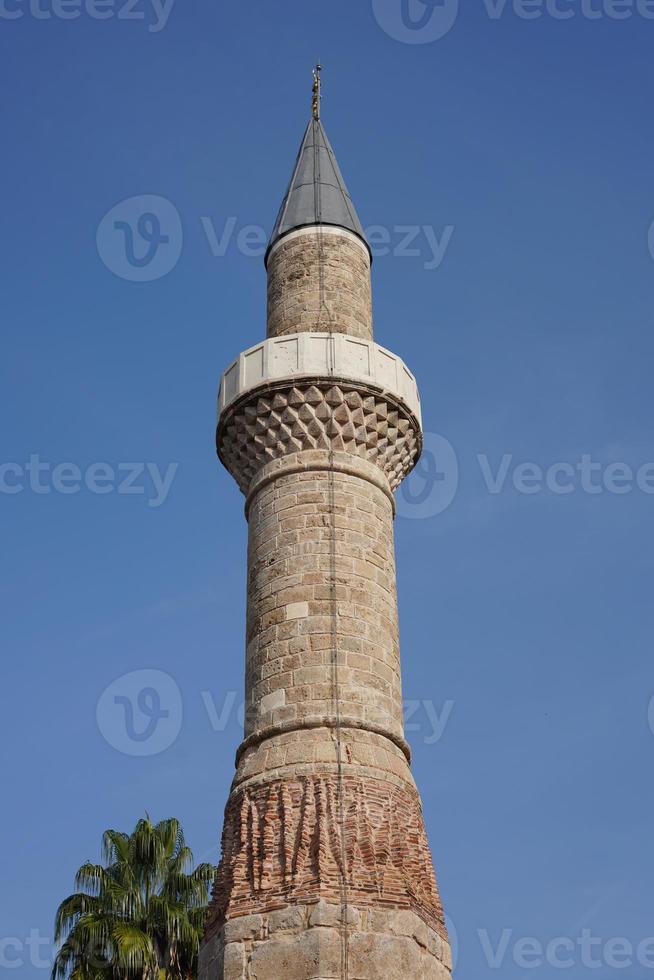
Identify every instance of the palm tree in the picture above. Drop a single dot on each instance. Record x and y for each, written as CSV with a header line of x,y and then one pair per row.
x,y
140,917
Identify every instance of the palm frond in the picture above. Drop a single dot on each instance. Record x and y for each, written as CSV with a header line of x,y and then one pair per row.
x,y
134,949
91,878
114,846
71,909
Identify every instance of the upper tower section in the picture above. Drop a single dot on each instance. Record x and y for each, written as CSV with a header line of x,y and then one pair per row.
x,y
318,259
318,382
316,194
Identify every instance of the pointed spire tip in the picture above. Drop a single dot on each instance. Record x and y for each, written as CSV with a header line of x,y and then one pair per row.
x,y
317,91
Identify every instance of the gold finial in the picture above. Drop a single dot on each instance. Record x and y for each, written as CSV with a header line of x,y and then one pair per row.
x,y
317,95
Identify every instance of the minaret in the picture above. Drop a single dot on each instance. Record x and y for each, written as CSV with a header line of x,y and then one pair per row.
x,y
326,870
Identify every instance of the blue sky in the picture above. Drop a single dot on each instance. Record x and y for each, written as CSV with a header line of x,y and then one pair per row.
x,y
524,147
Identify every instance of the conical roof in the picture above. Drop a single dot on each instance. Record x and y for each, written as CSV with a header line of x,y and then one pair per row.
x,y
317,194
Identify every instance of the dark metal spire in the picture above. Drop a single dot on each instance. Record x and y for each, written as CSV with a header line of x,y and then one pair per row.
x,y
317,194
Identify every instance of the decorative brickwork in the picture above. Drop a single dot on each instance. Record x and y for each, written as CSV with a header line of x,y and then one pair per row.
x,y
278,420
284,843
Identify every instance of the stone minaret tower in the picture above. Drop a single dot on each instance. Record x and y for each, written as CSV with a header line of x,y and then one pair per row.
x,y
326,870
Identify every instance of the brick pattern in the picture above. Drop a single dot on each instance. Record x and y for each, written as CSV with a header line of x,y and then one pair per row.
x,y
276,421
282,846
296,268
292,622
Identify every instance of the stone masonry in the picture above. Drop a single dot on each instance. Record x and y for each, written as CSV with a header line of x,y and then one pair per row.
x,y
326,870
294,280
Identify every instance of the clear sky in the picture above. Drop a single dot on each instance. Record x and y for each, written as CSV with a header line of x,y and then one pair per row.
x,y
521,147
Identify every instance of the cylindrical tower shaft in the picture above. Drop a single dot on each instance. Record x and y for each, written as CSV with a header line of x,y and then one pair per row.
x,y
307,605
319,280
326,870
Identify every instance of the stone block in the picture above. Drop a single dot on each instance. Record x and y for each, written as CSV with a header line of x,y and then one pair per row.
x,y
234,963
243,927
286,920
314,955
374,956
328,914
401,922
297,610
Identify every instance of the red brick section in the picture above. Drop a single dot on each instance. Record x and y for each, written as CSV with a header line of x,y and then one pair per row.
x,y
282,846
